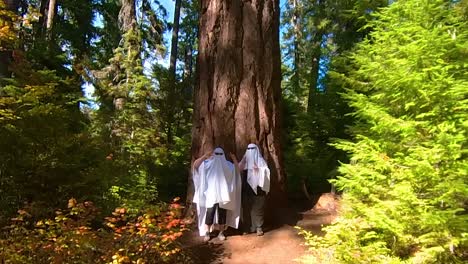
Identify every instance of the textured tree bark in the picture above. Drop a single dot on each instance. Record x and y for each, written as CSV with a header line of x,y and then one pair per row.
x,y
127,22
127,15
238,98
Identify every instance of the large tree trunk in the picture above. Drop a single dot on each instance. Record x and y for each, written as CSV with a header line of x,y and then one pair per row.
x,y
238,99
5,54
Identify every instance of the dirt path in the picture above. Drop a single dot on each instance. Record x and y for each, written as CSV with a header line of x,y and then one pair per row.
x,y
280,244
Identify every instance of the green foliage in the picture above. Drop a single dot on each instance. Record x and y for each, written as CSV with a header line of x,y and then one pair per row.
x,y
55,143
7,29
310,160
145,167
74,236
405,188
43,137
316,35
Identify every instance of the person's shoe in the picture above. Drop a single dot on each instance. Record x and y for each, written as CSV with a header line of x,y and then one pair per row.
x,y
221,236
206,238
259,231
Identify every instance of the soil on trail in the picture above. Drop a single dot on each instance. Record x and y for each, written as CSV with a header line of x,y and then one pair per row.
x,y
280,243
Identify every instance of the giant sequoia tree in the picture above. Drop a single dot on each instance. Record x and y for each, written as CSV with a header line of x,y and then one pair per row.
x,y
239,95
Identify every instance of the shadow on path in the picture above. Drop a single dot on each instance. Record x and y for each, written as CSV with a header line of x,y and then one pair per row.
x,y
280,244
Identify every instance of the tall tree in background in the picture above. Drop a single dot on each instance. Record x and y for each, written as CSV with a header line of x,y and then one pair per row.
x,y
317,27
173,87
316,35
189,44
50,18
238,96
175,38
291,48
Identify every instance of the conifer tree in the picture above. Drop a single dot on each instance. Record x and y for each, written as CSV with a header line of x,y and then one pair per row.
x,y
406,187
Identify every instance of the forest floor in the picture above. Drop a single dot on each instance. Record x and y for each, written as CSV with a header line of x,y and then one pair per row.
x,y
280,243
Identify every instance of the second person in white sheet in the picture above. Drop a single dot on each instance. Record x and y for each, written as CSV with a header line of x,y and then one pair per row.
x,y
255,176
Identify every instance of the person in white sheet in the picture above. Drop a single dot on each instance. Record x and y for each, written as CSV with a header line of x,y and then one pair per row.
x,y
217,192
255,186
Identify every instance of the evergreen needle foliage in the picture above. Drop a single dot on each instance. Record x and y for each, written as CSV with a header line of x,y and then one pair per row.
x,y
406,187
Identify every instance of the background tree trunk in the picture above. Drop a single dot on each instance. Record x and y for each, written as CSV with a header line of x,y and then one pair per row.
x,y
238,99
175,39
313,97
316,54
172,70
50,15
127,16
127,22
297,35
51,11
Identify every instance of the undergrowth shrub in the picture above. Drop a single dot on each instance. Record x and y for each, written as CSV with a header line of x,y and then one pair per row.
x,y
77,235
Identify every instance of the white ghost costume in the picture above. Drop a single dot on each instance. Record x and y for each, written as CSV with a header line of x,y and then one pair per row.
x,y
258,173
217,181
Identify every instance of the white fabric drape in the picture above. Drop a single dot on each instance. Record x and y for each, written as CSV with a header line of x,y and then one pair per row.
x,y
258,173
217,181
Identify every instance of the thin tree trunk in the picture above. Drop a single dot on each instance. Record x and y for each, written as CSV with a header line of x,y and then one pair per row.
x,y
313,97
238,99
175,39
40,26
188,64
297,33
314,73
51,10
50,15
172,70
